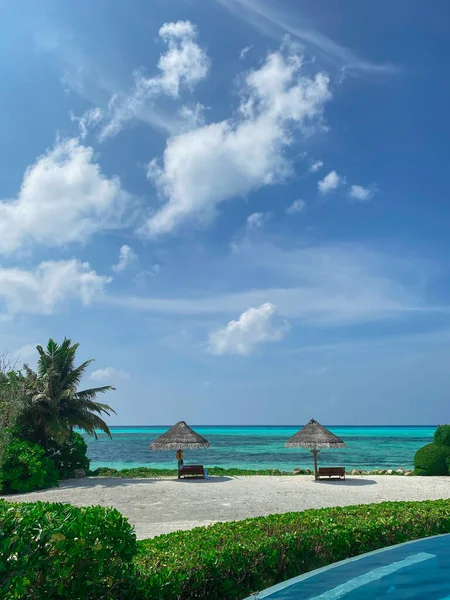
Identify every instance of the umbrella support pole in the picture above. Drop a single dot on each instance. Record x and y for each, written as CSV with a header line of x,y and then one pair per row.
x,y
316,472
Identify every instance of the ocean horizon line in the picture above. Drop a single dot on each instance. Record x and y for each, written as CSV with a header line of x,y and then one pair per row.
x,y
265,425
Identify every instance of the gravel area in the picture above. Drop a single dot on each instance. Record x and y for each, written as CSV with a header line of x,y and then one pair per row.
x,y
164,505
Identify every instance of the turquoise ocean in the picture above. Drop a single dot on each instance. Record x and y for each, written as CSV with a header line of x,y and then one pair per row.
x,y
262,447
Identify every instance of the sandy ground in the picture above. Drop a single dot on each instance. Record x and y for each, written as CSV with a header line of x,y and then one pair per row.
x,y
161,506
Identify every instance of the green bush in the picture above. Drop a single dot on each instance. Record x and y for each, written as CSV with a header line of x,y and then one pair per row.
x,y
70,455
432,459
442,435
25,468
148,472
229,561
61,552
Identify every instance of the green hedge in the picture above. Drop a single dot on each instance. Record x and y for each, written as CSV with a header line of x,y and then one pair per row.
x,y
148,472
229,561
25,467
58,551
432,459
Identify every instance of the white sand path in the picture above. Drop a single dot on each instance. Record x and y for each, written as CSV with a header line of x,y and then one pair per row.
x,y
164,505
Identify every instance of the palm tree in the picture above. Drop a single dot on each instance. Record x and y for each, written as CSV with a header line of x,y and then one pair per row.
x,y
54,404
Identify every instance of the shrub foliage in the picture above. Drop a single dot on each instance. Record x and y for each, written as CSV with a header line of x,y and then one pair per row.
x,y
25,467
148,472
58,551
229,561
442,435
69,455
432,459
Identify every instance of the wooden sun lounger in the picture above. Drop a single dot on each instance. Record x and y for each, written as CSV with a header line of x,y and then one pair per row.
x,y
332,472
191,471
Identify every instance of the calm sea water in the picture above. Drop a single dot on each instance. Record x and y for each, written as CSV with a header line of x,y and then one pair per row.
x,y
262,448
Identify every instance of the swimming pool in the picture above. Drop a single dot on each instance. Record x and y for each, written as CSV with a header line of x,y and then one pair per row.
x,y
414,570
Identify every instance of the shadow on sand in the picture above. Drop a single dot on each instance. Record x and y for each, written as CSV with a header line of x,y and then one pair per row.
x,y
347,482
90,482
211,479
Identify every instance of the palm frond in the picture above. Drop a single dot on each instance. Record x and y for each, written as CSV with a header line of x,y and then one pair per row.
x,y
53,402
89,422
92,392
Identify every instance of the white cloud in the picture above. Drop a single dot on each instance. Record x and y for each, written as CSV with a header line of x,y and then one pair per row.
x,y
184,62
296,207
143,277
330,182
206,166
183,65
91,118
255,326
256,220
316,166
127,258
108,375
360,193
243,53
47,287
64,197
192,116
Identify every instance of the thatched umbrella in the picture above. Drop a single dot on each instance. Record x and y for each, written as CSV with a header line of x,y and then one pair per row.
x,y
180,437
315,437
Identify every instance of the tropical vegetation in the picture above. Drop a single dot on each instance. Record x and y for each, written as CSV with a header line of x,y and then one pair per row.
x,y
59,551
39,412
434,458
149,472
26,468
62,552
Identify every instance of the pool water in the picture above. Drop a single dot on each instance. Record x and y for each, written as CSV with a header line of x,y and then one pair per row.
x,y
415,570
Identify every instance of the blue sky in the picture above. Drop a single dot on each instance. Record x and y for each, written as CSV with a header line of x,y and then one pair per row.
x,y
239,207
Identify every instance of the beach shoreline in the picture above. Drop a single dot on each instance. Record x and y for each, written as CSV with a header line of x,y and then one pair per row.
x,y
157,506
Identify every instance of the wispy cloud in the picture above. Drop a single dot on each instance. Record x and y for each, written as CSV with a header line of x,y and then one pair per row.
x,y
327,285
108,375
90,119
296,207
184,64
256,220
243,53
274,19
360,193
316,166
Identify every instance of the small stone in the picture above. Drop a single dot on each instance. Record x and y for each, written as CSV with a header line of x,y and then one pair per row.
x,y
400,471
389,472
354,472
365,472
408,473
79,473
308,471
296,471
